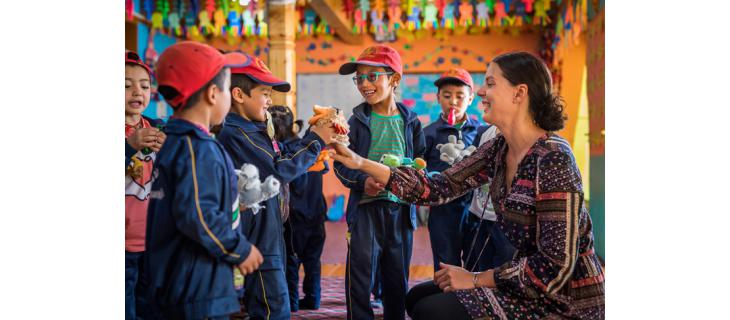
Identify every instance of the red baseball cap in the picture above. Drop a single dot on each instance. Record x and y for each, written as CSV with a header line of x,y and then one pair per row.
x,y
186,67
134,58
457,74
256,70
378,56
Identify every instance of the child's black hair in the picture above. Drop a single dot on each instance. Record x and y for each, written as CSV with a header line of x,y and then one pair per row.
x,y
243,82
170,92
284,124
454,82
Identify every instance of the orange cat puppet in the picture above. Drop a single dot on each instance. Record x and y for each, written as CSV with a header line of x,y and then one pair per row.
x,y
336,118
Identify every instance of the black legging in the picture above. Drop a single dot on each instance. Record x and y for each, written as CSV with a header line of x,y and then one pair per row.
x,y
426,301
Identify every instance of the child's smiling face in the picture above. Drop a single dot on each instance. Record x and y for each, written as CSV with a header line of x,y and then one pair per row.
x,y
137,89
382,88
256,105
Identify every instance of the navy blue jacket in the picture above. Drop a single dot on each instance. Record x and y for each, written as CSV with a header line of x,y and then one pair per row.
x,y
438,133
128,150
306,192
360,143
247,142
192,245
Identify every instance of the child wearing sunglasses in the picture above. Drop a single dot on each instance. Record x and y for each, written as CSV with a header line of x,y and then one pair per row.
x,y
380,226
142,141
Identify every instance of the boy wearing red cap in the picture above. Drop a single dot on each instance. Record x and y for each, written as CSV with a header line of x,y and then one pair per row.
x,y
193,240
455,94
380,226
249,138
142,142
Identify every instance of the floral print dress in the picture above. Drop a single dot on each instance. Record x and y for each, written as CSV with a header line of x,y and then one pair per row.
x,y
555,273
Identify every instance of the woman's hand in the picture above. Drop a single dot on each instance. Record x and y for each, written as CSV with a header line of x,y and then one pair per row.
x,y
451,278
346,156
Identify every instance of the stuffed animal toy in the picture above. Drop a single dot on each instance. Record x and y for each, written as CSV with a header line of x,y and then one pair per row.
x,y
395,161
323,156
332,116
453,151
251,191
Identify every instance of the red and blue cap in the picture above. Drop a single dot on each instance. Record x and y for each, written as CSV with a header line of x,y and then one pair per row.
x,y
256,70
377,56
186,67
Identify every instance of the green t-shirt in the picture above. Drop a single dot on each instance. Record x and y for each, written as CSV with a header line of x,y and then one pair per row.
x,y
387,135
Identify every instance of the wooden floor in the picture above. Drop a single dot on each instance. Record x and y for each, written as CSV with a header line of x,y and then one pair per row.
x,y
334,254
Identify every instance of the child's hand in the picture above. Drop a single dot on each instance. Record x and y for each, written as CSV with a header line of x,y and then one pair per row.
x,y
252,262
161,136
346,156
372,188
146,138
326,133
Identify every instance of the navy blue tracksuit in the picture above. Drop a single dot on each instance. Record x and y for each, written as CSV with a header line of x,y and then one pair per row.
x,y
445,222
380,231
266,294
305,235
193,242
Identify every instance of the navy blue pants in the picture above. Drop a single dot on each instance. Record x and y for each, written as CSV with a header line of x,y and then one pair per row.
x,y
445,229
304,243
134,286
266,295
382,232
494,252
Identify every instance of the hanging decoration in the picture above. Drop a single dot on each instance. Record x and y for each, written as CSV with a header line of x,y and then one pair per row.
x,y
249,24
430,21
148,9
414,12
309,20
129,9
263,27
541,16
219,18
449,20
466,14
483,15
394,15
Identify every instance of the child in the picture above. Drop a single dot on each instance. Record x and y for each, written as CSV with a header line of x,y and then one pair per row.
x,y
455,94
143,140
486,246
193,242
380,225
248,139
304,230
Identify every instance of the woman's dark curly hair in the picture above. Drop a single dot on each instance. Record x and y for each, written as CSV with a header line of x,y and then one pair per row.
x,y
546,107
284,125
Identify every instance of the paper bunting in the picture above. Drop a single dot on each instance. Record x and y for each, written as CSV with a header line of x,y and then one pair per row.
x,y
466,14
263,27
500,15
309,19
129,9
234,24
449,19
483,15
430,21
394,15
219,19
173,20
541,16
528,5
157,22
148,9
163,6
507,5
191,29
210,7
249,24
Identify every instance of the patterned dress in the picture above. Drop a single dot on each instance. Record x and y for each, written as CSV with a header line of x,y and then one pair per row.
x,y
555,273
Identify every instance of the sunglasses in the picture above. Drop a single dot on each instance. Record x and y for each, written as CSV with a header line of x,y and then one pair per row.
x,y
372,77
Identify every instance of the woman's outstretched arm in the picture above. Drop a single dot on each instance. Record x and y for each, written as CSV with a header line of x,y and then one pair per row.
x,y
415,186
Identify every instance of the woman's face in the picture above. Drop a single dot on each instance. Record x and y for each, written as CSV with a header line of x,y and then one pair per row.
x,y
498,97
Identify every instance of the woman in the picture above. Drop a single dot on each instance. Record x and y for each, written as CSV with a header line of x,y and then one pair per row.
x,y
538,196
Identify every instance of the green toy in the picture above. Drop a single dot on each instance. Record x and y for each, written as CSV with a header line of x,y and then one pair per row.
x,y
394,161
147,150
